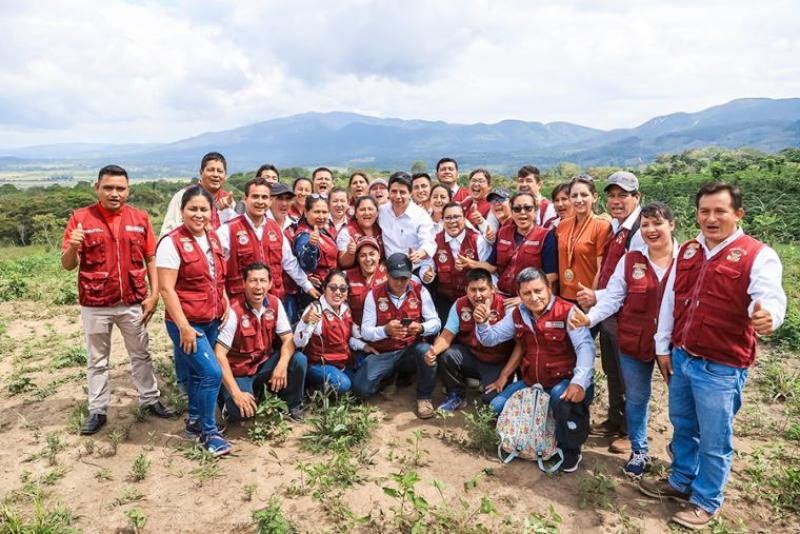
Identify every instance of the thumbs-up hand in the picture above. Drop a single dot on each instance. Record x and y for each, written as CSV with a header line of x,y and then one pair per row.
x,y
314,237
351,247
476,218
761,320
490,235
481,313
463,262
415,255
76,236
427,276
586,297
577,319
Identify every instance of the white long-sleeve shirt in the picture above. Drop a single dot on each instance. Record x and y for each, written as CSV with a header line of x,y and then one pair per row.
x,y
413,229
581,339
288,261
303,331
765,287
431,324
610,299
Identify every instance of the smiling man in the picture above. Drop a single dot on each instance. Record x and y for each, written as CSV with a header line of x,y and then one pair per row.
x,y
723,290
447,174
322,181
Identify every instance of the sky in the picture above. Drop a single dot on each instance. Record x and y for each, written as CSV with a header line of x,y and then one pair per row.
x,y
117,71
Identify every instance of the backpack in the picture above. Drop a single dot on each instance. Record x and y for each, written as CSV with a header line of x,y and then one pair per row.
x,y
527,429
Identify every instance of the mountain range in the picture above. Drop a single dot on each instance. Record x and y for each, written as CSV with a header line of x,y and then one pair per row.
x,y
351,140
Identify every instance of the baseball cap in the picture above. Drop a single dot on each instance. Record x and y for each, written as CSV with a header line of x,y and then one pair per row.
x,y
279,189
498,194
378,181
367,241
624,179
398,265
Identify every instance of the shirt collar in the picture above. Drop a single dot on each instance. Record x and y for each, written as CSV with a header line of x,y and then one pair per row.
x,y
326,306
401,297
459,238
702,240
252,224
108,215
258,312
675,247
526,313
628,222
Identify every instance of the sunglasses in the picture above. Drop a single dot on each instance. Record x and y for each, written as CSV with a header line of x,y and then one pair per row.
x,y
526,208
341,289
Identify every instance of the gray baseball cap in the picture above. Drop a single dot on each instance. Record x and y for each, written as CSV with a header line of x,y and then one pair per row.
x,y
625,180
278,189
398,265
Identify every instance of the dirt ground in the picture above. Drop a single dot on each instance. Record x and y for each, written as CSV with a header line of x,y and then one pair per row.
x,y
180,494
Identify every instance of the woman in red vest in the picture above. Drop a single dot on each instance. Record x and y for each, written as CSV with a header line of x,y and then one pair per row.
x,y
476,206
329,335
364,224
358,186
635,290
440,197
191,276
302,188
314,244
369,273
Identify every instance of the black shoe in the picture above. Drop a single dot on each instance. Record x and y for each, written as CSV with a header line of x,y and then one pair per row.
x,y
159,410
296,414
93,424
571,461
606,429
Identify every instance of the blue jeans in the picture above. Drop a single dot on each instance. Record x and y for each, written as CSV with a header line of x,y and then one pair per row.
x,y
292,394
704,397
202,372
337,379
376,367
290,306
637,377
458,363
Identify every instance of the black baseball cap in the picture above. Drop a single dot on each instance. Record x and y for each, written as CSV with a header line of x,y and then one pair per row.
x,y
398,265
498,194
279,189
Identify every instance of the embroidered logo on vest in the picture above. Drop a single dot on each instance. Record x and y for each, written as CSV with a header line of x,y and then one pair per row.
x,y
690,251
638,271
466,314
735,254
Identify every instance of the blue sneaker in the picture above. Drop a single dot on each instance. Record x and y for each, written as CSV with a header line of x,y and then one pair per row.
x,y
216,444
455,401
637,465
193,429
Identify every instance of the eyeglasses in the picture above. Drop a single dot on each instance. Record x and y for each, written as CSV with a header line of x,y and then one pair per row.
x,y
341,289
479,181
450,218
527,208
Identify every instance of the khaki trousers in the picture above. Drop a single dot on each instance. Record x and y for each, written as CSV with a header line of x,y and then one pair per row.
x,y
97,325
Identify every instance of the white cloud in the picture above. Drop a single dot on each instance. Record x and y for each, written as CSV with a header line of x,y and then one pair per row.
x,y
117,71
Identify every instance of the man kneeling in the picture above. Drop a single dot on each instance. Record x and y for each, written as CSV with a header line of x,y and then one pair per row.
x,y
244,350
561,361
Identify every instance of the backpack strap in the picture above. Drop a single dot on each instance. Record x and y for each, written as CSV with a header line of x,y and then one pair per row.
x,y
553,468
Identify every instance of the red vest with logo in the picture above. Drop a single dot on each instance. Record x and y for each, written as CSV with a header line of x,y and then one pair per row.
x,y
252,343
548,355
385,311
483,206
202,297
246,248
511,259
112,269
289,285
462,193
359,287
543,205
638,318
466,331
452,283
355,232
616,246
333,345
711,301
328,253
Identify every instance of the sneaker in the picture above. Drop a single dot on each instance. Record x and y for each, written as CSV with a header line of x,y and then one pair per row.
x,y
637,465
572,460
455,401
693,517
193,430
296,414
216,444
662,489
605,429
425,408
620,445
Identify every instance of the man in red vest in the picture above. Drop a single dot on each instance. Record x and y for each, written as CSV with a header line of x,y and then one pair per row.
x,y
397,315
462,355
447,174
723,290
529,180
622,202
113,246
254,237
244,350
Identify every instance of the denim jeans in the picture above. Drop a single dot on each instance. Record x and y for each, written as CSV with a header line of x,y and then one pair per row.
x,y
203,374
704,397
637,377
292,394
458,363
376,367
337,379
290,307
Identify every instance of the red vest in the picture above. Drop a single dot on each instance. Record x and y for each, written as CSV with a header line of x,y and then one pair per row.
x,y
202,298
289,285
246,248
333,345
461,194
483,206
711,301
252,343
328,253
615,248
355,232
359,289
638,318
511,259
452,283
112,270
385,311
543,205
466,331
548,355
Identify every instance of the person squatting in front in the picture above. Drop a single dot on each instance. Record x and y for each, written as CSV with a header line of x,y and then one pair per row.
x,y
244,350
546,353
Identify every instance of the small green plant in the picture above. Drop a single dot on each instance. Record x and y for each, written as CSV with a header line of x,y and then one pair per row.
x,y
340,471
140,467
337,425
411,507
595,489
117,436
537,523
53,445
481,433
20,384
270,421
71,357
77,417
129,494
137,519
793,432
53,476
104,475
248,491
56,520
270,519
718,525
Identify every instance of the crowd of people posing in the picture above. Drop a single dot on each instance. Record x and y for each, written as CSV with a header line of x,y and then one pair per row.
x,y
311,286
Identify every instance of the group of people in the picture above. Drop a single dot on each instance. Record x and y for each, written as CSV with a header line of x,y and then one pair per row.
x,y
390,283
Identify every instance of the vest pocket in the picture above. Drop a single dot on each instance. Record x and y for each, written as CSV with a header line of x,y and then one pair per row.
x,y
138,283
94,252
91,287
